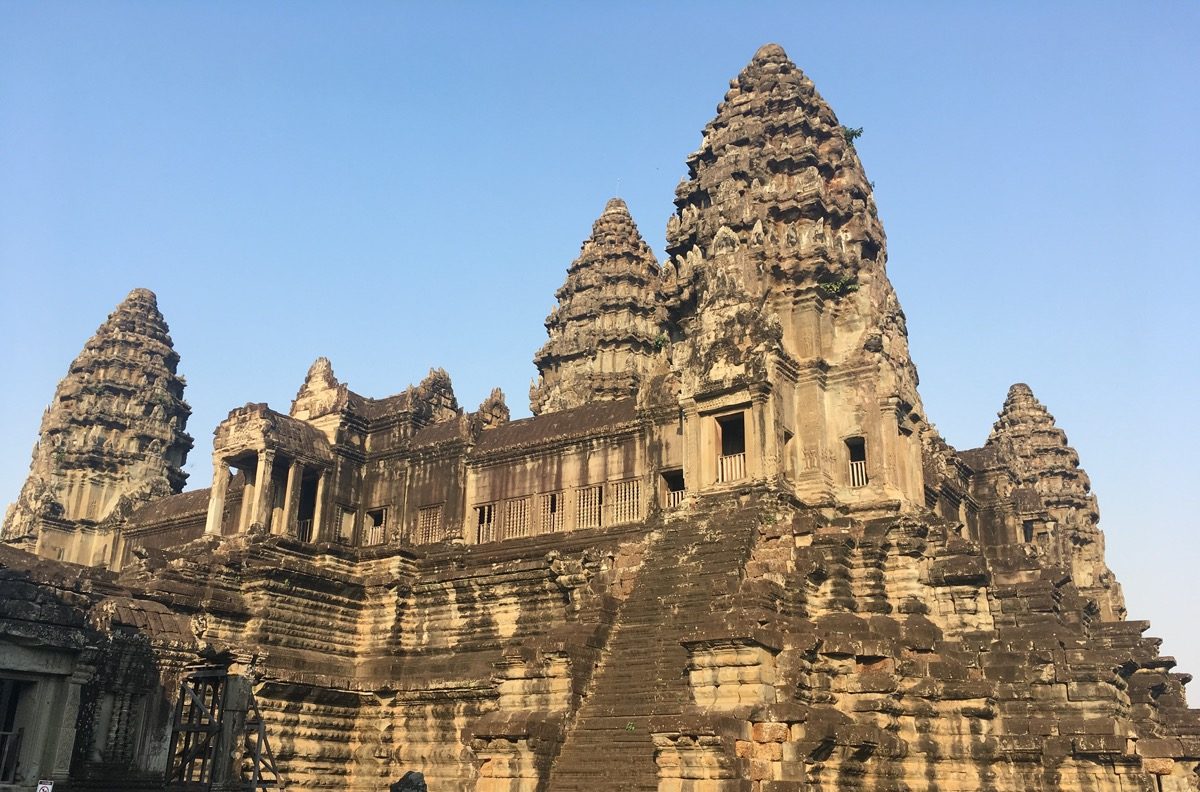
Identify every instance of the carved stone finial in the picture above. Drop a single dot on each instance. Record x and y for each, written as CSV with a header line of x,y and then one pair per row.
x,y
321,392
493,411
434,397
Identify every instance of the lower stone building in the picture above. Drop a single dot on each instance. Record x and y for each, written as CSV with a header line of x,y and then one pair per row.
x,y
729,551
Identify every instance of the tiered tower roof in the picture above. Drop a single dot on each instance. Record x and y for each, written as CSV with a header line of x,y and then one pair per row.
x,y
608,326
1028,440
776,206
114,432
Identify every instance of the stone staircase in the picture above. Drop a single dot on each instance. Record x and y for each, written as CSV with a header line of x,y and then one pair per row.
x,y
643,674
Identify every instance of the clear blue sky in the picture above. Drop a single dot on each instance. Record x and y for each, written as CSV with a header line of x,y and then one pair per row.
x,y
402,185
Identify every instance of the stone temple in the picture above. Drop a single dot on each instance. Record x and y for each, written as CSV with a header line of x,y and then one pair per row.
x,y
729,551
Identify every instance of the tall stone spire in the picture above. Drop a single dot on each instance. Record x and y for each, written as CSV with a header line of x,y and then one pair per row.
x,y
777,263
112,437
776,201
1029,442
608,327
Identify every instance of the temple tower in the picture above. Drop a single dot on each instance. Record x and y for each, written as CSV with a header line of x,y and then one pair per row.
x,y
608,327
112,437
1054,505
787,336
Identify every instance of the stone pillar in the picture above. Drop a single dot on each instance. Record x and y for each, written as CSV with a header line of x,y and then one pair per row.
x,y
760,421
816,463
216,498
260,510
319,509
243,520
693,471
291,499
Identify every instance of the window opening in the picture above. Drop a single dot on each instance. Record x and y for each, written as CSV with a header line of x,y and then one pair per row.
x,y
1027,530
307,508
676,489
11,693
625,502
376,527
857,448
485,523
731,464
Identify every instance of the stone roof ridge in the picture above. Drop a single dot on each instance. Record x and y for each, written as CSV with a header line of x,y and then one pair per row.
x,y
608,306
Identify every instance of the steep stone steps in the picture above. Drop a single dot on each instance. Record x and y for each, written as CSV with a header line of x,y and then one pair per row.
x,y
643,673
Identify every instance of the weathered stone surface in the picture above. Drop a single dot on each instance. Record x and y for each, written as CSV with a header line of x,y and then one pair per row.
x,y
728,553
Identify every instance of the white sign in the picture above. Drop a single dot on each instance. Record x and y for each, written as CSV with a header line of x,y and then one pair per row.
x,y
45,786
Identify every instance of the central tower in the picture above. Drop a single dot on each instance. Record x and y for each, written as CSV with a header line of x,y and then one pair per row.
x,y
789,344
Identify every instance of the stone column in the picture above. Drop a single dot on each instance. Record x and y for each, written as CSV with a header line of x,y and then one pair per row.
x,y
319,509
760,422
216,498
693,467
243,520
887,465
260,510
291,499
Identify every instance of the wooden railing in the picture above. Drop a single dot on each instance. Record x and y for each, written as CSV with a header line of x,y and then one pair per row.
x,y
858,474
675,498
731,467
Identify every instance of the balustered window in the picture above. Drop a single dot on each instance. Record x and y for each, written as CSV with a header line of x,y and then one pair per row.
x,y
516,518
675,488
856,447
429,524
591,504
375,527
550,512
485,523
731,464
625,502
